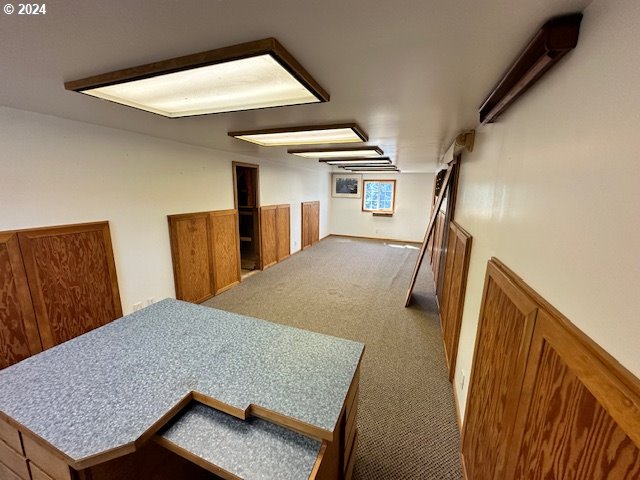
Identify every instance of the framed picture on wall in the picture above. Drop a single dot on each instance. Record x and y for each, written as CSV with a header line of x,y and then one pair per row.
x,y
346,185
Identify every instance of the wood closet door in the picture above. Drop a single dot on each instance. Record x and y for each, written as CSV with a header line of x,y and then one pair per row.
x,y
579,414
19,337
192,256
72,277
454,285
283,229
507,318
268,236
225,248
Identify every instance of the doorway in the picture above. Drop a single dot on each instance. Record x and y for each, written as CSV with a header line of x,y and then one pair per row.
x,y
246,200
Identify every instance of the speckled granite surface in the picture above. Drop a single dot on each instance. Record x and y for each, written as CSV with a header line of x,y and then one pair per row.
x,y
104,389
251,449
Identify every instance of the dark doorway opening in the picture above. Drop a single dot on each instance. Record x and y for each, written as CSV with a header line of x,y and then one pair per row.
x,y
246,197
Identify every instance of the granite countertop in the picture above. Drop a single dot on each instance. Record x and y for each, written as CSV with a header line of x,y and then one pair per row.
x,y
249,449
105,389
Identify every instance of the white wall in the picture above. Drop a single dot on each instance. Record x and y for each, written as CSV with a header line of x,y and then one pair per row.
x,y
56,171
409,221
553,190
279,185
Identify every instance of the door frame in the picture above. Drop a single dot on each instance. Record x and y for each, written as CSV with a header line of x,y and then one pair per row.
x,y
234,166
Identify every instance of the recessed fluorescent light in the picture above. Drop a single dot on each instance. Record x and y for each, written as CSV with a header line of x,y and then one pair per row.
x,y
357,161
309,135
252,75
339,153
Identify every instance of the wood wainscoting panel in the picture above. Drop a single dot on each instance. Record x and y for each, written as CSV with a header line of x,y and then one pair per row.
x,y
507,318
225,249
574,415
191,256
454,285
72,278
579,415
19,336
283,229
268,236
310,223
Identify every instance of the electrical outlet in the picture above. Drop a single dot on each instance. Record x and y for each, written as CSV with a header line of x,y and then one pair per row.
x,y
463,377
137,306
151,301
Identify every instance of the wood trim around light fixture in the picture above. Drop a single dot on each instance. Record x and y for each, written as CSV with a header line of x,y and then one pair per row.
x,y
355,159
267,131
556,37
378,150
220,55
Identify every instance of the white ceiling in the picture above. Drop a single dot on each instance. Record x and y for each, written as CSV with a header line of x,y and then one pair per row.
x,y
411,73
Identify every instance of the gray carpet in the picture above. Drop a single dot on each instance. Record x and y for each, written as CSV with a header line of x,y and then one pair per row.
x,y
355,289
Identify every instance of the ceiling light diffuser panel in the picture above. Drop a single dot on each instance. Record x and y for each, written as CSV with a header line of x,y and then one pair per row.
x,y
357,161
253,75
372,170
308,135
339,153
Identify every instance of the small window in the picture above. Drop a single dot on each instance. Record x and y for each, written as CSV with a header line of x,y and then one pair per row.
x,y
379,196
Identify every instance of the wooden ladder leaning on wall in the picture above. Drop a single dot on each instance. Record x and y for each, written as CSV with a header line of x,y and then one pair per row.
x,y
430,228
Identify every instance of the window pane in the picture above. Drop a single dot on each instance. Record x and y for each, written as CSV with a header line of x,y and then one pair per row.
x,y
378,195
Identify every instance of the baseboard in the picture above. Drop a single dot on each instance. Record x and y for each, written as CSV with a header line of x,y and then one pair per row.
x,y
417,242
464,467
457,405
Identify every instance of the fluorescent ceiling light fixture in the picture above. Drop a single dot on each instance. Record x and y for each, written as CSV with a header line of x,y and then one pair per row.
x,y
373,169
357,161
360,170
252,75
339,153
309,135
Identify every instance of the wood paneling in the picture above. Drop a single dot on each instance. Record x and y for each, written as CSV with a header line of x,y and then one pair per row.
x,y
205,249
574,415
46,460
454,285
37,473
579,413
283,229
268,236
310,223
72,278
11,436
225,249
19,337
507,318
192,257
14,460
7,474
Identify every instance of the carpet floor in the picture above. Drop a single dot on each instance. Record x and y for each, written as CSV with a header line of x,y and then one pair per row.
x,y
355,289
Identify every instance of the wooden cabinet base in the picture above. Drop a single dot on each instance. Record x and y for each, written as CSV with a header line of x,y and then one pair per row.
x,y
151,462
